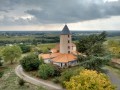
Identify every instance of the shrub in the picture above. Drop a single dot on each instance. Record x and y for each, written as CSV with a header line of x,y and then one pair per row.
x,y
56,80
57,70
67,74
1,73
46,70
25,48
30,62
41,60
89,80
21,82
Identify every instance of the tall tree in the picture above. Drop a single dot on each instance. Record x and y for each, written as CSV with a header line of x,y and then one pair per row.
x,y
92,44
11,53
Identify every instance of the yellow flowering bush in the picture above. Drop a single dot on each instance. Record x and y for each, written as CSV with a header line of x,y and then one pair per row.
x,y
89,80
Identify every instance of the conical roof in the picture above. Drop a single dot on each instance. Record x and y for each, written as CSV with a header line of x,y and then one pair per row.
x,y
65,30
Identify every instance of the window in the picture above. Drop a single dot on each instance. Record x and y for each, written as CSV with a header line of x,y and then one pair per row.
x,y
61,64
68,51
68,35
68,41
68,47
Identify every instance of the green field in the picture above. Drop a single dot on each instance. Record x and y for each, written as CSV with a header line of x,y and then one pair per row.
x,y
46,46
17,38
113,38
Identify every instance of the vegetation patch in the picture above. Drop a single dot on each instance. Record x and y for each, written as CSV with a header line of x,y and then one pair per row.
x,y
9,80
89,80
30,62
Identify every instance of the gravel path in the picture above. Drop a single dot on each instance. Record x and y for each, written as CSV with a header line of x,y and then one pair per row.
x,y
113,77
39,82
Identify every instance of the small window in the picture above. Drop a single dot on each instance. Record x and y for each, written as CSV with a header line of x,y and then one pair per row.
x,y
68,35
68,41
68,47
68,51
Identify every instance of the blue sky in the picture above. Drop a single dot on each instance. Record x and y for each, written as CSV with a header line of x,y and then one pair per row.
x,y
53,14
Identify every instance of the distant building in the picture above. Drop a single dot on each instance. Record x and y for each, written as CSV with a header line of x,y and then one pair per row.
x,y
64,54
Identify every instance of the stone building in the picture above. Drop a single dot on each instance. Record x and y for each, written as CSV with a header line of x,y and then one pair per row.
x,y
64,54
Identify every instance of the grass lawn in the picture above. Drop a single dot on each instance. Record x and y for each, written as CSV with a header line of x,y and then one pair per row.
x,y
44,47
9,81
113,38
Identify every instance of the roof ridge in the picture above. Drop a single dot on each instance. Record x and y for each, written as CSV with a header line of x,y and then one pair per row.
x,y
65,30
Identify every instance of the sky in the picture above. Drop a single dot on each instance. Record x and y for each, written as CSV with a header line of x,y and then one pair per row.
x,y
54,14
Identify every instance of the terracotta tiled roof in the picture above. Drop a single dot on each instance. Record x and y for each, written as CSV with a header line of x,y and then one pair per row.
x,y
54,50
64,58
58,57
46,56
54,55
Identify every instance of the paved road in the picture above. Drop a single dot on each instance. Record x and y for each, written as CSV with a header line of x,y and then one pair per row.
x,y
39,82
113,77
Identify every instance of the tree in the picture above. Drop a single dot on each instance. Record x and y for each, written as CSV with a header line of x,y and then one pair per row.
x,y
25,48
30,62
89,80
11,53
94,62
46,70
92,44
67,74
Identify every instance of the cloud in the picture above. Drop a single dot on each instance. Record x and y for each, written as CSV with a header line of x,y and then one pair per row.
x,y
7,21
74,11
56,11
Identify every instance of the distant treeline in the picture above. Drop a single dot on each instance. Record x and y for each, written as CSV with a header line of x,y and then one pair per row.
x,y
37,37
23,33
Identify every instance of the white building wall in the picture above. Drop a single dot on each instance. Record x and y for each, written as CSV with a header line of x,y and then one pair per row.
x,y
74,48
64,43
46,60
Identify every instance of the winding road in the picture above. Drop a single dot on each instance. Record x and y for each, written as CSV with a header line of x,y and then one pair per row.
x,y
38,82
113,77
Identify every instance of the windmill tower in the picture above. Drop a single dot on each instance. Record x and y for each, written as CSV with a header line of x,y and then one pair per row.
x,y
65,40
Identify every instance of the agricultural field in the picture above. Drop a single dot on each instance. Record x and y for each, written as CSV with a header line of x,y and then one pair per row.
x,y
46,46
114,38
